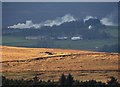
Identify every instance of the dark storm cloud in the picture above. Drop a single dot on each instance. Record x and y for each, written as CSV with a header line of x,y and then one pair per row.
x,y
37,11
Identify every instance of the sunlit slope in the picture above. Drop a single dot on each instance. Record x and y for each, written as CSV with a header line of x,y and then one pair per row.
x,y
20,53
17,59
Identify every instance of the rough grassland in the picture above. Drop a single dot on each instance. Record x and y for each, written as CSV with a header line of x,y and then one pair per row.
x,y
41,60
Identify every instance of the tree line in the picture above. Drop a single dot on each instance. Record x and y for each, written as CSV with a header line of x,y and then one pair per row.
x,y
64,81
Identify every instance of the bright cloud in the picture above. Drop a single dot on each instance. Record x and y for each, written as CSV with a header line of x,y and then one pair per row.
x,y
58,21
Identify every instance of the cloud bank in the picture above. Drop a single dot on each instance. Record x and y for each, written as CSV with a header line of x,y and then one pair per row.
x,y
111,19
108,20
58,21
89,17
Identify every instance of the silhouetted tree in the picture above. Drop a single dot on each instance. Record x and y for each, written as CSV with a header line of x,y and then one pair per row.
x,y
112,82
69,80
62,80
36,80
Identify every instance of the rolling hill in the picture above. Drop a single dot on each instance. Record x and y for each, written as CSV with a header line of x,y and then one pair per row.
x,y
26,62
57,59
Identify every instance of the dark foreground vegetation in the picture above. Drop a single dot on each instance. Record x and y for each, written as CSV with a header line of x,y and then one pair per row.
x,y
64,81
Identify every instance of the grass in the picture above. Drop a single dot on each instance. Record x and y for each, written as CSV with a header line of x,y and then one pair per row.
x,y
94,45
55,66
66,44
78,75
85,44
17,41
28,69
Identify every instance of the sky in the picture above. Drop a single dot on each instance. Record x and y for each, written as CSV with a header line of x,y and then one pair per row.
x,y
59,0
19,12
